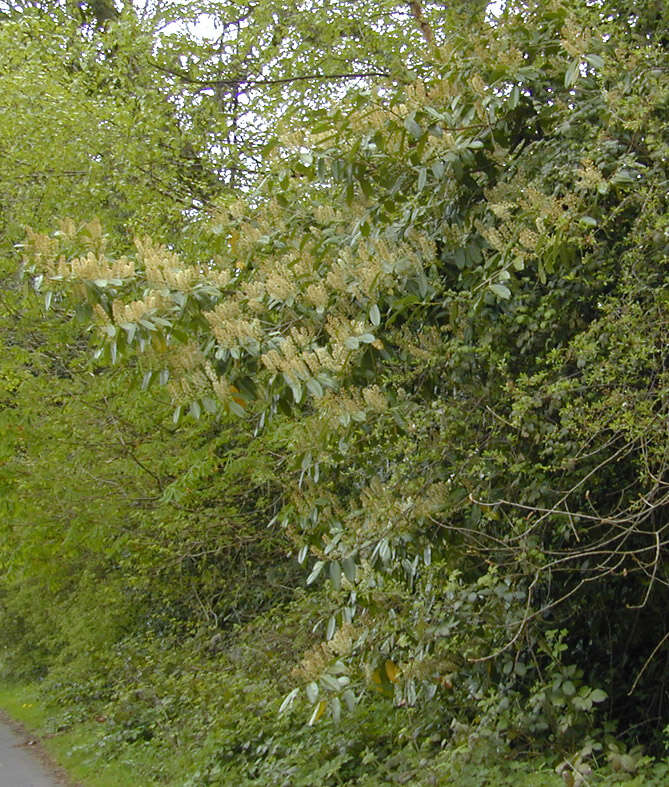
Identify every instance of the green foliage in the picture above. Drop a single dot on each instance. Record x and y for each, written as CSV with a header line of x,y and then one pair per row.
x,y
85,124
414,335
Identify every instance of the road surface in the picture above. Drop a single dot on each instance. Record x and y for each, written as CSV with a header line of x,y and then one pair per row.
x,y
20,762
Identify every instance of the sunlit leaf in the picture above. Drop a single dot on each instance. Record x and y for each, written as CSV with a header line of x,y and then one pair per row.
x,y
501,290
392,671
318,712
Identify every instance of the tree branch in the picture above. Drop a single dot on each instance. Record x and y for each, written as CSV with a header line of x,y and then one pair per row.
x,y
242,81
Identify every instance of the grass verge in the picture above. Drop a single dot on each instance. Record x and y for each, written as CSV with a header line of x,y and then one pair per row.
x,y
71,748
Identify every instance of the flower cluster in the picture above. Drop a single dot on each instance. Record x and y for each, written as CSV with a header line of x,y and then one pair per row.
x,y
298,357
162,267
231,326
315,661
137,310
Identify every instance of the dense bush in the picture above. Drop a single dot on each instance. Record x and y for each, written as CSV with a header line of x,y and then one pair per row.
x,y
420,346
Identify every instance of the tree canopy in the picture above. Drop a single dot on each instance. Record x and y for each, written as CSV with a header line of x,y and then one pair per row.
x,y
378,299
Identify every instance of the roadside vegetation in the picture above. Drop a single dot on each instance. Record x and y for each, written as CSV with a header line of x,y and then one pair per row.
x,y
334,396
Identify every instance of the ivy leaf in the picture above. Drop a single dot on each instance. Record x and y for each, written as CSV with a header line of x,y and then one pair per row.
x,y
568,688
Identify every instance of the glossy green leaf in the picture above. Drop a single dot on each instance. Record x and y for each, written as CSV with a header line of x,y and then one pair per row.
x,y
501,290
315,571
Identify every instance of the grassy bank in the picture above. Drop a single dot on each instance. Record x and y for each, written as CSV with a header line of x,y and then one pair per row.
x,y
72,746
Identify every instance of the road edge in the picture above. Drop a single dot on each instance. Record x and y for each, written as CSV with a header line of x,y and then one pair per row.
x,y
33,741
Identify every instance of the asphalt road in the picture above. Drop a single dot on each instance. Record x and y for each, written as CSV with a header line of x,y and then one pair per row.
x,y
20,764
